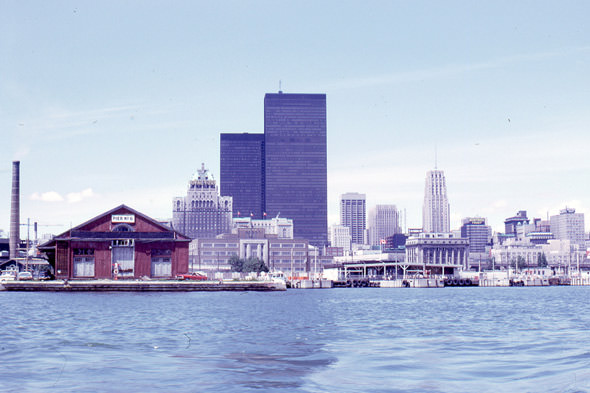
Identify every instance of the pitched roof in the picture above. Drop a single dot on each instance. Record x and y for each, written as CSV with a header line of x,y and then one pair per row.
x,y
108,213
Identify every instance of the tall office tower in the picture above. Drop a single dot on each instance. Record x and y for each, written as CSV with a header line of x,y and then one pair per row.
x,y
568,225
478,232
353,210
296,162
383,222
242,173
435,211
202,213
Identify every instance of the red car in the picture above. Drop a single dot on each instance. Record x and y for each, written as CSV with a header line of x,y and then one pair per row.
x,y
192,276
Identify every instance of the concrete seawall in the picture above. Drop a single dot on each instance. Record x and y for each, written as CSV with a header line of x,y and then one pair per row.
x,y
140,286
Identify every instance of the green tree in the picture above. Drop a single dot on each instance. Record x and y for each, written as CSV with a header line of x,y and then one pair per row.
x,y
542,260
254,264
518,263
237,264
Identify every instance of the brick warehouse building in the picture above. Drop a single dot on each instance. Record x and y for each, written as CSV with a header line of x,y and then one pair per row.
x,y
121,243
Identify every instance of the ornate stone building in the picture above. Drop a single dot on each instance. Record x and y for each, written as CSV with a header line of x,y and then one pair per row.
x,y
202,213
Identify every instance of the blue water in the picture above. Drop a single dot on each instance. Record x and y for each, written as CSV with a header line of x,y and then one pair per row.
x,y
339,340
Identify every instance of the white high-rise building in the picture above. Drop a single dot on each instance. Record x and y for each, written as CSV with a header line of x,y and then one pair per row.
x,y
340,237
568,225
435,212
353,210
383,222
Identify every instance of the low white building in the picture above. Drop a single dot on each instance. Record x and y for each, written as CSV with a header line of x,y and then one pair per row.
x,y
437,250
282,227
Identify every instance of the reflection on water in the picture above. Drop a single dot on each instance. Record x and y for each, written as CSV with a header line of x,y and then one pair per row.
x,y
355,340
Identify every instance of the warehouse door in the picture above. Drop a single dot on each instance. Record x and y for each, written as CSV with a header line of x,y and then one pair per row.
x,y
123,258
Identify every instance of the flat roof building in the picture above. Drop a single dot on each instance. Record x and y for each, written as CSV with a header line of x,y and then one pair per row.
x,y
241,174
296,162
353,214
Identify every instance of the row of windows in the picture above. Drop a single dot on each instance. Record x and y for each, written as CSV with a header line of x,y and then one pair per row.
x,y
288,253
288,261
83,251
287,245
219,253
219,245
122,243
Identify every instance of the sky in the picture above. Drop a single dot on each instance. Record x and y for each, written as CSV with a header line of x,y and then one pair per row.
x,y
119,102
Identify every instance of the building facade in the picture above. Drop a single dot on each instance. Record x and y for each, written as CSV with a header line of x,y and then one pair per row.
x,y
383,222
438,252
242,173
568,225
435,211
479,234
202,213
296,162
512,224
286,255
353,214
119,244
280,226
340,237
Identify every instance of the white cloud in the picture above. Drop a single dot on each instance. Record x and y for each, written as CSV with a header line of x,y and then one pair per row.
x,y
74,197
49,196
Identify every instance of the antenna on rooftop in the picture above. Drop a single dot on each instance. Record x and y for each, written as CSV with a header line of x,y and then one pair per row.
x,y
280,86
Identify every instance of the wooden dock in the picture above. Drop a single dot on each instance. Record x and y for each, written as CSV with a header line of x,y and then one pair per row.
x,y
140,286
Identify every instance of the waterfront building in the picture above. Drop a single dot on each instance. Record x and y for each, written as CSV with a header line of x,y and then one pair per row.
x,y
280,226
568,225
241,174
440,253
340,237
121,243
383,222
334,251
202,213
518,254
213,254
296,162
435,211
353,215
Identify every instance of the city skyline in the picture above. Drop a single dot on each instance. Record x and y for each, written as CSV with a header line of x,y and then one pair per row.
x,y
104,111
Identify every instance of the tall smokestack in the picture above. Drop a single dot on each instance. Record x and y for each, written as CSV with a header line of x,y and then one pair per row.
x,y
15,210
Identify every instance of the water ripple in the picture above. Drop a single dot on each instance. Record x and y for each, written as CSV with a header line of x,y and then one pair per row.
x,y
345,340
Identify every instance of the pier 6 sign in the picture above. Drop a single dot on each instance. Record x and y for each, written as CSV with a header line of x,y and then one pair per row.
x,y
123,218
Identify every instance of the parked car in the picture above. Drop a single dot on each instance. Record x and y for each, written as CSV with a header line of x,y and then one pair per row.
x,y
25,276
192,276
7,276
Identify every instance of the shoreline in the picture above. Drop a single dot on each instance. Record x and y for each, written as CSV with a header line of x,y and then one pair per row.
x,y
140,286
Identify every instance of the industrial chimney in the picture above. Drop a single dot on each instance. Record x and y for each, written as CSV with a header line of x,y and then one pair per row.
x,y
15,211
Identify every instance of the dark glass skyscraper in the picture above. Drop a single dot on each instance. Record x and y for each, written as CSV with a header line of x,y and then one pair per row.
x,y
296,162
242,172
